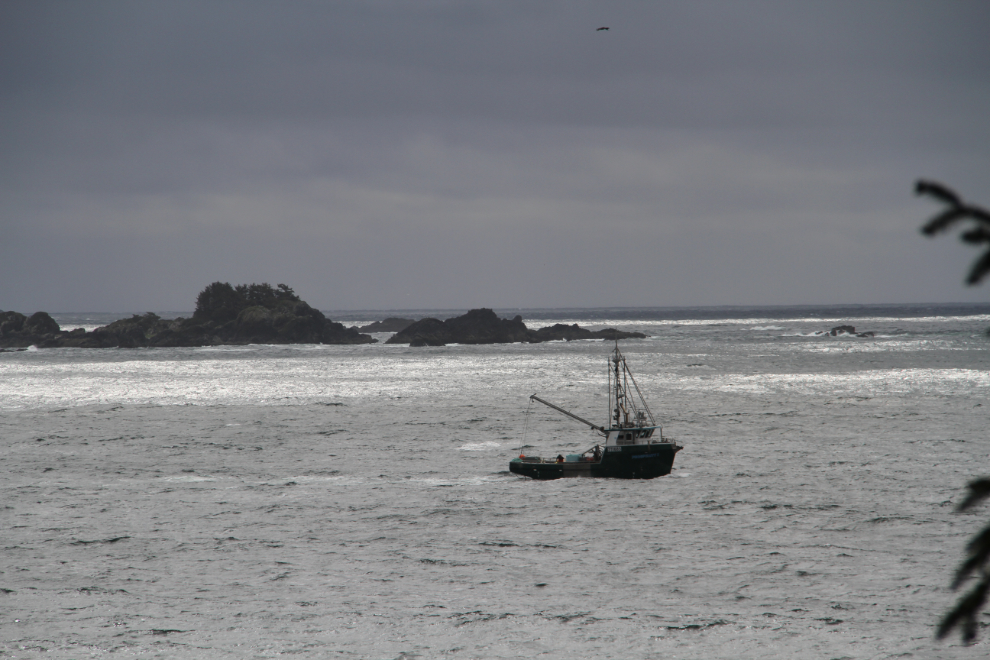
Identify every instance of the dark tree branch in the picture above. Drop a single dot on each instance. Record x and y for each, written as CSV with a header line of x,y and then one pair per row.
x,y
979,490
976,236
956,211
977,563
943,221
980,268
964,615
938,191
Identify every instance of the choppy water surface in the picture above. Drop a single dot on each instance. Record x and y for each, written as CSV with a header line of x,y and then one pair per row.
x,y
355,502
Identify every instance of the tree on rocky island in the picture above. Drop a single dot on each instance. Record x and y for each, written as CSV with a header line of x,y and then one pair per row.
x,y
220,302
977,563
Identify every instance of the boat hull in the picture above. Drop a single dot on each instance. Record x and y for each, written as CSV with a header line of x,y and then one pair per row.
x,y
629,462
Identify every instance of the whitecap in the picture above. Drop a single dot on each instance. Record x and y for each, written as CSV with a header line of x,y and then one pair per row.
x,y
479,446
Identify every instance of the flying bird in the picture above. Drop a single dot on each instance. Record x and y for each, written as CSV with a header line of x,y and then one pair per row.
x,y
601,28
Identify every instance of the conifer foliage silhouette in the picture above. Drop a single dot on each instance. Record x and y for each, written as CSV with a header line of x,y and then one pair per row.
x,y
977,563
964,614
957,211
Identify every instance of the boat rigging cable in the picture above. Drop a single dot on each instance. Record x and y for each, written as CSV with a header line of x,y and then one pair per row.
x,y
624,402
641,397
526,423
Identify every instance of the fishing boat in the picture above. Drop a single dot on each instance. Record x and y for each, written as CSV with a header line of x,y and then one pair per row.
x,y
634,446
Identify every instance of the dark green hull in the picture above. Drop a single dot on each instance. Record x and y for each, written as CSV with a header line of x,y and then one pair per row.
x,y
626,462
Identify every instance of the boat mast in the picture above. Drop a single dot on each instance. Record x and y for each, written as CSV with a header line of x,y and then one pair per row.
x,y
608,370
619,414
624,403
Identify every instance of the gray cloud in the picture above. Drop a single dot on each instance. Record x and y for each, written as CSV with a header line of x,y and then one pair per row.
x,y
441,154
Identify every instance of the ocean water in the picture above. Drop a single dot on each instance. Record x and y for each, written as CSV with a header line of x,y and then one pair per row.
x,y
355,501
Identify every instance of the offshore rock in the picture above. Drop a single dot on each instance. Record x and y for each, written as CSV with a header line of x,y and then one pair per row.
x,y
483,326
848,330
842,330
560,331
40,323
255,314
19,331
479,326
11,322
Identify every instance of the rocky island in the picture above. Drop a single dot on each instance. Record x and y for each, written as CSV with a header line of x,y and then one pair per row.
x,y
263,314
245,314
483,326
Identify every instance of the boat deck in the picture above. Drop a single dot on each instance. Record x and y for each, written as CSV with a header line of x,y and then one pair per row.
x,y
643,461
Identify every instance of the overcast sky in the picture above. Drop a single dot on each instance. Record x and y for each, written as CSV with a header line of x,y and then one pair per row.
x,y
433,154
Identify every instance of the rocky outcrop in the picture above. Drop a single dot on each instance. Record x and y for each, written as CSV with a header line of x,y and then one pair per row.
x,y
848,330
483,326
20,331
479,326
37,325
391,324
40,323
560,331
11,322
255,314
842,330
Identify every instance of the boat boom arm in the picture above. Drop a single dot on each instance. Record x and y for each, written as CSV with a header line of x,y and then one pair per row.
x,y
601,429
